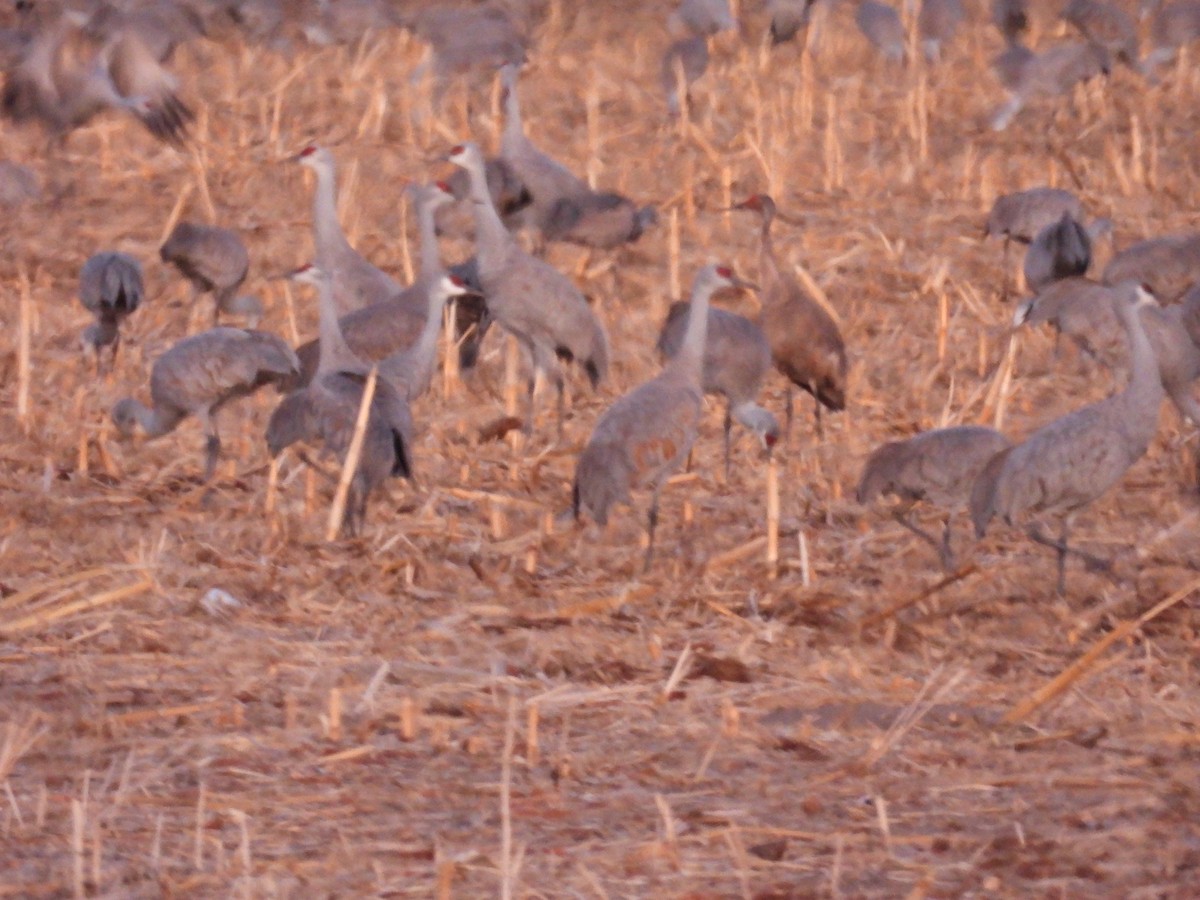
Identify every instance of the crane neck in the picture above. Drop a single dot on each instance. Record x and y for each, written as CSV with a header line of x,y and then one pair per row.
x,y
327,229
1145,383
333,354
430,260
157,421
493,238
514,129
690,358
768,262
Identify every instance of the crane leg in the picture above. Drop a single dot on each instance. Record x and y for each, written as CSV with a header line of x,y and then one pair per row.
x,y
787,413
901,516
651,524
560,385
820,427
1005,282
1092,562
728,429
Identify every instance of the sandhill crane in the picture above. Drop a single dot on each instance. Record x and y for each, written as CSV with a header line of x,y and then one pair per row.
x,y
702,18
938,466
199,376
1165,266
689,56
410,370
383,328
1061,250
647,434
1105,25
880,24
356,283
546,179
806,342
737,358
161,25
1073,460
598,219
509,194
110,287
1052,73
530,299
1019,216
1086,312
1011,17
1191,313
66,75
17,184
215,261
327,411
788,17
938,22
1010,65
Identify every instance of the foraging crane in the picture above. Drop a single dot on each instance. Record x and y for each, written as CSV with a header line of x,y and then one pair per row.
x,y
647,434
66,75
937,466
1086,312
215,261
737,359
327,411
1052,73
356,282
938,22
880,24
1075,459
806,343
530,299
202,374
1019,216
110,287
1165,266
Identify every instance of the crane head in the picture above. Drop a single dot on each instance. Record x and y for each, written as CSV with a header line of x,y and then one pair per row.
x,y
464,155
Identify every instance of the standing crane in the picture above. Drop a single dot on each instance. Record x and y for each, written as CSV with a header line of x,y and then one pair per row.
x,y
806,342
530,299
1074,460
202,374
110,287
647,434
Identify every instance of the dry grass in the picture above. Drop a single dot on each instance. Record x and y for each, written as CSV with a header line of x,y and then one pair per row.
x,y
472,701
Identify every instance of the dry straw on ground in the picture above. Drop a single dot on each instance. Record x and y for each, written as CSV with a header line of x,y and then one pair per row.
x,y
474,699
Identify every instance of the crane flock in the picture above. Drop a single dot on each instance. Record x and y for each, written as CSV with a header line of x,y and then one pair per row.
x,y
62,71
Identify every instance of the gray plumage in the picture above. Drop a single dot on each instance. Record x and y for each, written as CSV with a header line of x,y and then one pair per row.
x,y
1061,250
937,23
1086,312
702,18
199,376
410,370
215,261
1105,25
806,343
1051,73
18,184
1190,305
647,434
1165,266
326,411
465,38
67,75
1174,26
1022,215
111,289
530,299
737,359
1073,460
1010,65
788,17
1011,17
692,55
880,24
508,192
938,467
356,282
598,219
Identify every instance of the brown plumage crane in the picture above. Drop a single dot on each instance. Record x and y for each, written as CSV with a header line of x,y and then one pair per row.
x,y
67,74
737,359
110,287
215,261
938,467
806,343
199,376
356,282
327,411
530,299
647,434
1166,266
1075,459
